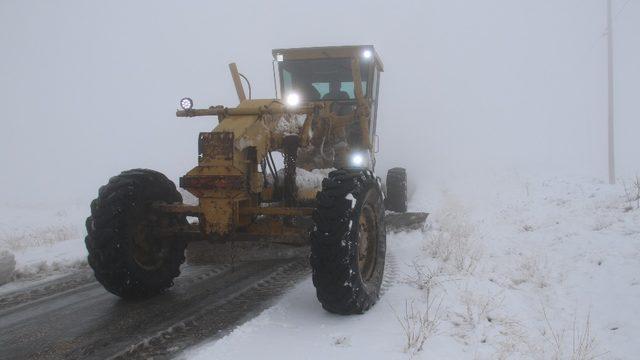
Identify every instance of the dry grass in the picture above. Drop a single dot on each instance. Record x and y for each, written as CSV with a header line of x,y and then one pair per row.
x,y
582,345
419,325
632,193
532,270
452,242
341,341
423,277
481,319
43,269
477,309
38,237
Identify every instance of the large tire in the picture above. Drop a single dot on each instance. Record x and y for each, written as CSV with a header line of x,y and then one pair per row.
x,y
396,199
348,242
126,259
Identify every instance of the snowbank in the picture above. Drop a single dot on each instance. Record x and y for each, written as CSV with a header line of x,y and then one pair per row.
x,y
42,240
535,270
49,259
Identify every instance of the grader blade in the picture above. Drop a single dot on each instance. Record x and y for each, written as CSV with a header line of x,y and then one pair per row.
x,y
408,221
206,253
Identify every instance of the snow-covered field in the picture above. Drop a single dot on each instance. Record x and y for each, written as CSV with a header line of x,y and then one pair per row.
x,y
45,240
546,269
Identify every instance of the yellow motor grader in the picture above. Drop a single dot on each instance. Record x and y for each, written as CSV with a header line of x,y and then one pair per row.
x,y
322,124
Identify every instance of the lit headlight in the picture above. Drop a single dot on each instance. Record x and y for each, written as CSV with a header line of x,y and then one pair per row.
x,y
186,104
366,54
293,100
357,160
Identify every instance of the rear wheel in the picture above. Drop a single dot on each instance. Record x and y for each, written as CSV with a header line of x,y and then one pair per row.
x,y
127,259
348,243
396,199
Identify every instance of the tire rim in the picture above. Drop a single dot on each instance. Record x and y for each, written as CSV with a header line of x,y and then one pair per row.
x,y
148,252
367,242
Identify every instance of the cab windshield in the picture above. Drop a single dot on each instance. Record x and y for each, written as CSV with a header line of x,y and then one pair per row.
x,y
322,79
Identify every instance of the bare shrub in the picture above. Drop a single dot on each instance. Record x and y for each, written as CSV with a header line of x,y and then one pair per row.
x,y
582,344
43,268
532,270
7,266
419,325
636,186
341,341
477,308
632,193
452,242
38,237
423,277
482,319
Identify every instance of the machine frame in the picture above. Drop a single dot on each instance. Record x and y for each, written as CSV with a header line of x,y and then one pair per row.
x,y
236,202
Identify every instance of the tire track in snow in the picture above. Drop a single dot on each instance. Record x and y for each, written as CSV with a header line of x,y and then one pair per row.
x,y
390,273
216,321
40,291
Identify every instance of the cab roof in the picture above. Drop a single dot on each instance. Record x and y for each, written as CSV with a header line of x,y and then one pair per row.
x,y
324,52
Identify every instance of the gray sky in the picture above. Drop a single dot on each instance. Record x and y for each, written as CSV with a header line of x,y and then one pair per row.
x,y
90,88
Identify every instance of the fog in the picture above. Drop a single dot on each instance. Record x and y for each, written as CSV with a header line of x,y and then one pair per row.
x,y
470,88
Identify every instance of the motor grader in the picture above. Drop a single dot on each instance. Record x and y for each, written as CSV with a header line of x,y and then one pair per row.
x,y
322,124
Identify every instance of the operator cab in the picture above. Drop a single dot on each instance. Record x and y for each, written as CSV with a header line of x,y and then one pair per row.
x,y
327,73
343,79
323,79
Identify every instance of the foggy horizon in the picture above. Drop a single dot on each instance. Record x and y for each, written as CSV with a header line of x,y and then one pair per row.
x,y
488,229
470,89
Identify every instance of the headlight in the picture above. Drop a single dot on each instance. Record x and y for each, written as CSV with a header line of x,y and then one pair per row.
x,y
186,104
293,100
357,160
366,54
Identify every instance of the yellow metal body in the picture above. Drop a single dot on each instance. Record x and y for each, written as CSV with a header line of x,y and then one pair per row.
x,y
233,194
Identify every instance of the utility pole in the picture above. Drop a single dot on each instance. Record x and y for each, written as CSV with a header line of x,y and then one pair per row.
x,y
612,167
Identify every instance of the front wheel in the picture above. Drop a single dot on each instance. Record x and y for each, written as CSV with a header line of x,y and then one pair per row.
x,y
348,242
127,259
396,190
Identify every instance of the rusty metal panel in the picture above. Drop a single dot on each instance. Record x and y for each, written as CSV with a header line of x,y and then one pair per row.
x,y
215,146
278,211
223,182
